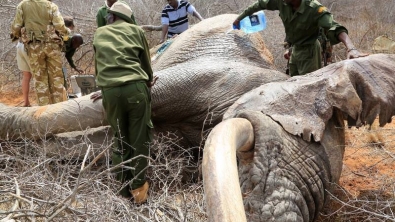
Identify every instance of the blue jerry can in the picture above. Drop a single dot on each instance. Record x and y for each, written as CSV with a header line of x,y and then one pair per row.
x,y
253,23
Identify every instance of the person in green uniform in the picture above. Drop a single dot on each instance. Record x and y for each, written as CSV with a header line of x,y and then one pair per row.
x,y
101,16
302,20
124,74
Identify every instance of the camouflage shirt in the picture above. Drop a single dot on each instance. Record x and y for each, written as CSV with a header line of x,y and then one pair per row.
x,y
41,18
301,26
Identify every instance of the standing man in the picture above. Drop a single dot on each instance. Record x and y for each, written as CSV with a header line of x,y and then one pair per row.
x,y
302,20
42,19
175,18
103,11
124,73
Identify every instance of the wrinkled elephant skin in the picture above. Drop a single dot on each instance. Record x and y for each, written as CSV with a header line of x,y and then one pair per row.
x,y
298,128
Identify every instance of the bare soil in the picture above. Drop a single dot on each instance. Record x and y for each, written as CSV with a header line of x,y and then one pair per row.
x,y
15,98
366,190
369,161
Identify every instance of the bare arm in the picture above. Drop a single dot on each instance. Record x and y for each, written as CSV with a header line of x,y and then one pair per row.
x,y
165,28
151,27
197,15
352,51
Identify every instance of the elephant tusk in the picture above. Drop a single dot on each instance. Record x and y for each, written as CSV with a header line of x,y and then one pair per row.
x,y
220,175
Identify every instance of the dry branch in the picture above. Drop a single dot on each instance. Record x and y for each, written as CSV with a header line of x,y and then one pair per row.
x,y
16,203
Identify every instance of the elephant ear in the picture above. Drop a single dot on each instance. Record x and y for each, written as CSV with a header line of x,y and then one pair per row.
x,y
361,88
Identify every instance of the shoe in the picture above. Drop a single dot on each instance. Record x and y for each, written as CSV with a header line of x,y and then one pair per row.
x,y
140,195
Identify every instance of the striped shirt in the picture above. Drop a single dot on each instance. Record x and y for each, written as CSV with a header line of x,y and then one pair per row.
x,y
177,18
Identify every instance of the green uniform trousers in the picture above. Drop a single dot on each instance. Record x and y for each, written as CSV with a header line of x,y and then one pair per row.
x,y
128,111
305,59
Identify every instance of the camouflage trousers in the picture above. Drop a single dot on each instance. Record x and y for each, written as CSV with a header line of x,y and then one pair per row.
x,y
46,68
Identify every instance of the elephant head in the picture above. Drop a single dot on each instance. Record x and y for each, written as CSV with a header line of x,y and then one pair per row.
x,y
289,140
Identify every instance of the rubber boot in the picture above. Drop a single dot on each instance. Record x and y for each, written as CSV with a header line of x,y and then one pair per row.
x,y
140,195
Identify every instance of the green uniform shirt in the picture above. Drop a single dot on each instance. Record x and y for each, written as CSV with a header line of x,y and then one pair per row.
x,y
102,14
302,26
35,16
121,54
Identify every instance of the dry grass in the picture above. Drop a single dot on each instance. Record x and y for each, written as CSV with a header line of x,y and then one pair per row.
x,y
67,189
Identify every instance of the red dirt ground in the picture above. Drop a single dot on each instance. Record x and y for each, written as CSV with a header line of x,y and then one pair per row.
x,y
369,161
16,98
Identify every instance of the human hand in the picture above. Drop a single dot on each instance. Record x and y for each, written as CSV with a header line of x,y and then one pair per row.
x,y
96,96
236,24
354,53
65,38
80,71
287,54
150,84
161,41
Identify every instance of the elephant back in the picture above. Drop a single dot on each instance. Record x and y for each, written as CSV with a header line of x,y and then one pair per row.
x,y
214,38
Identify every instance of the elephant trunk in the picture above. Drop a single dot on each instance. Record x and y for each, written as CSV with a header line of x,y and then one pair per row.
x,y
278,176
220,174
39,122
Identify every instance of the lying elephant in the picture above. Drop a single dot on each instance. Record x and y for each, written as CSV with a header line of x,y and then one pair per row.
x,y
202,73
289,139
208,74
